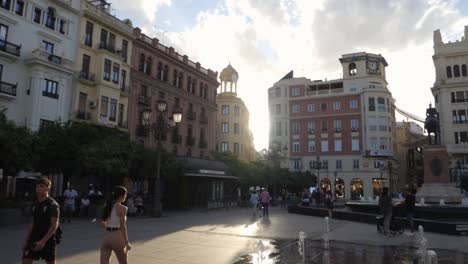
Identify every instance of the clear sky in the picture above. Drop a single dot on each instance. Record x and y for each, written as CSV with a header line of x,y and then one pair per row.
x,y
265,39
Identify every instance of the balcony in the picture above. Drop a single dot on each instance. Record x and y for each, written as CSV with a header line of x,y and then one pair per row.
x,y
9,49
190,141
203,119
55,59
87,78
82,115
144,100
8,90
191,115
202,144
108,47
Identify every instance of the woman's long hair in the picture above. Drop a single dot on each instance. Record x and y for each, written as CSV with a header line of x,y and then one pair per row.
x,y
117,192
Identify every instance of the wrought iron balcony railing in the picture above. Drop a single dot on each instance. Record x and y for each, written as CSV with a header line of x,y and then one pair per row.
x,y
10,48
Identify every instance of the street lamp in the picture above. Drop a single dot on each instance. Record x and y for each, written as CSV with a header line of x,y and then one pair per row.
x,y
160,128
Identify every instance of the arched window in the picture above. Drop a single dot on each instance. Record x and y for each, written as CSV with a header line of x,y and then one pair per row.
x,y
181,80
160,71
165,73
50,18
339,188
189,84
352,69
141,66
325,185
456,71
449,72
175,77
464,70
149,63
357,189
194,86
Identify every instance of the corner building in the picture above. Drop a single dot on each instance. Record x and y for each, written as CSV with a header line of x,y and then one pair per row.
x,y
349,124
103,66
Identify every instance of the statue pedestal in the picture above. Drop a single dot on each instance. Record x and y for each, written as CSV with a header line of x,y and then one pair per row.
x,y
437,184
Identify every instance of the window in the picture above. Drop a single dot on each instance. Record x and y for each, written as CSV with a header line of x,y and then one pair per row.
x,y
354,125
337,105
160,71
103,40
37,15
338,164
165,73
278,109
181,81
278,129
124,80
295,91
225,127
338,145
352,69
43,123
383,143
50,88
296,146
236,128
236,111
111,41
6,4
113,110
236,148
115,73
355,164
225,109
337,125
49,47
104,105
107,70
277,92
353,104
323,106
89,34
372,123
311,146
296,127
355,144
85,65
382,123
463,70
461,137
371,104
456,71
297,164
141,65
62,25
224,146
295,108
381,104
311,108
121,115
124,49
449,72
324,126
311,127
50,18
148,65
324,146
373,143
19,7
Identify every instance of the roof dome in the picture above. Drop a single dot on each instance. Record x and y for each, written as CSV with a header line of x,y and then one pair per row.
x,y
229,74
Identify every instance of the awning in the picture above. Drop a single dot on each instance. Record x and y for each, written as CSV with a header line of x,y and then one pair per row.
x,y
189,174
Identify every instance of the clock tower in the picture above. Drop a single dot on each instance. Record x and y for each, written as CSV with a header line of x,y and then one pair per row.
x,y
363,64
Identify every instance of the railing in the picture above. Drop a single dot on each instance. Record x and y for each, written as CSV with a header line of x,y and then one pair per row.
x,y
203,119
190,141
8,88
145,100
191,115
87,76
107,47
55,59
83,115
10,48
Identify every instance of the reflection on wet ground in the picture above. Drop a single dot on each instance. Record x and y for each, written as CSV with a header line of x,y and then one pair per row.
x,y
286,251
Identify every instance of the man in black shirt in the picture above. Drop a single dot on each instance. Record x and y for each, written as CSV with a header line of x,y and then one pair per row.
x,y
410,204
40,241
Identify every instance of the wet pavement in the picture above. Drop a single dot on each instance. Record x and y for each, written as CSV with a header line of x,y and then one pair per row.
x,y
230,236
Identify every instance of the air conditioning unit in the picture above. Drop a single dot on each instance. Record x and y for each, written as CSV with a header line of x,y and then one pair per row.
x,y
92,104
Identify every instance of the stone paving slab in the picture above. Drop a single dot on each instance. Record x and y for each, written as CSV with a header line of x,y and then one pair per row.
x,y
208,237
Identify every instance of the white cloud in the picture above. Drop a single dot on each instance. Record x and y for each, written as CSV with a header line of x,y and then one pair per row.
x,y
264,40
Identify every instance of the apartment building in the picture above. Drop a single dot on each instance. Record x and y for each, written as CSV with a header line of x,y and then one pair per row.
x,y
103,65
38,46
343,130
233,132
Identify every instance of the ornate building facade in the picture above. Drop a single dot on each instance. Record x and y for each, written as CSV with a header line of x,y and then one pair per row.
x,y
233,133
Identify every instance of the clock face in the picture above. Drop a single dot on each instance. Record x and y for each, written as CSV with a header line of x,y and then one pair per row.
x,y
373,65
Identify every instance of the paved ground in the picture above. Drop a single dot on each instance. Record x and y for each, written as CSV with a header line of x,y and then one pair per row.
x,y
208,237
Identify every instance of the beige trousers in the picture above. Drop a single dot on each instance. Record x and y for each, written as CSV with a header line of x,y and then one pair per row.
x,y
113,242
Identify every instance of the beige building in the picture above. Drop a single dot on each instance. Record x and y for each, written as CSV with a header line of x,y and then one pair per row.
x,y
103,65
233,133
451,96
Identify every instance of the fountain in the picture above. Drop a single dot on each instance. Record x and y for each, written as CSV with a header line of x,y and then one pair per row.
x,y
260,248
300,245
425,256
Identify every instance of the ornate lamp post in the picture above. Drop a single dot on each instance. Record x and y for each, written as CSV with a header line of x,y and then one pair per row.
x,y
160,127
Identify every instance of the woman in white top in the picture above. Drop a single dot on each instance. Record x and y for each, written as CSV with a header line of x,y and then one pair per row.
x,y
114,219
254,202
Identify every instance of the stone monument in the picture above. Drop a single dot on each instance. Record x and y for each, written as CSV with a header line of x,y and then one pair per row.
x,y
437,185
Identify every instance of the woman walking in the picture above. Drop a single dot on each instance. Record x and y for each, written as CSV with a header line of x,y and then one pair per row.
x,y
114,219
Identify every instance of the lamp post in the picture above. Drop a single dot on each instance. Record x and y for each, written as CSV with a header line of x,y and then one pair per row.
x,y
159,127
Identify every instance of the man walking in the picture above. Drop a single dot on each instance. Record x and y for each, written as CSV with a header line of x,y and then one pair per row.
x,y
265,197
70,195
40,242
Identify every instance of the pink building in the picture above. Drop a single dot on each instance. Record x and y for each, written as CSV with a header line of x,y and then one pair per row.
x,y
159,72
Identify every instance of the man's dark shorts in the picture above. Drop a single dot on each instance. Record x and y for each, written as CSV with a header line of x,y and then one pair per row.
x,y
47,253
